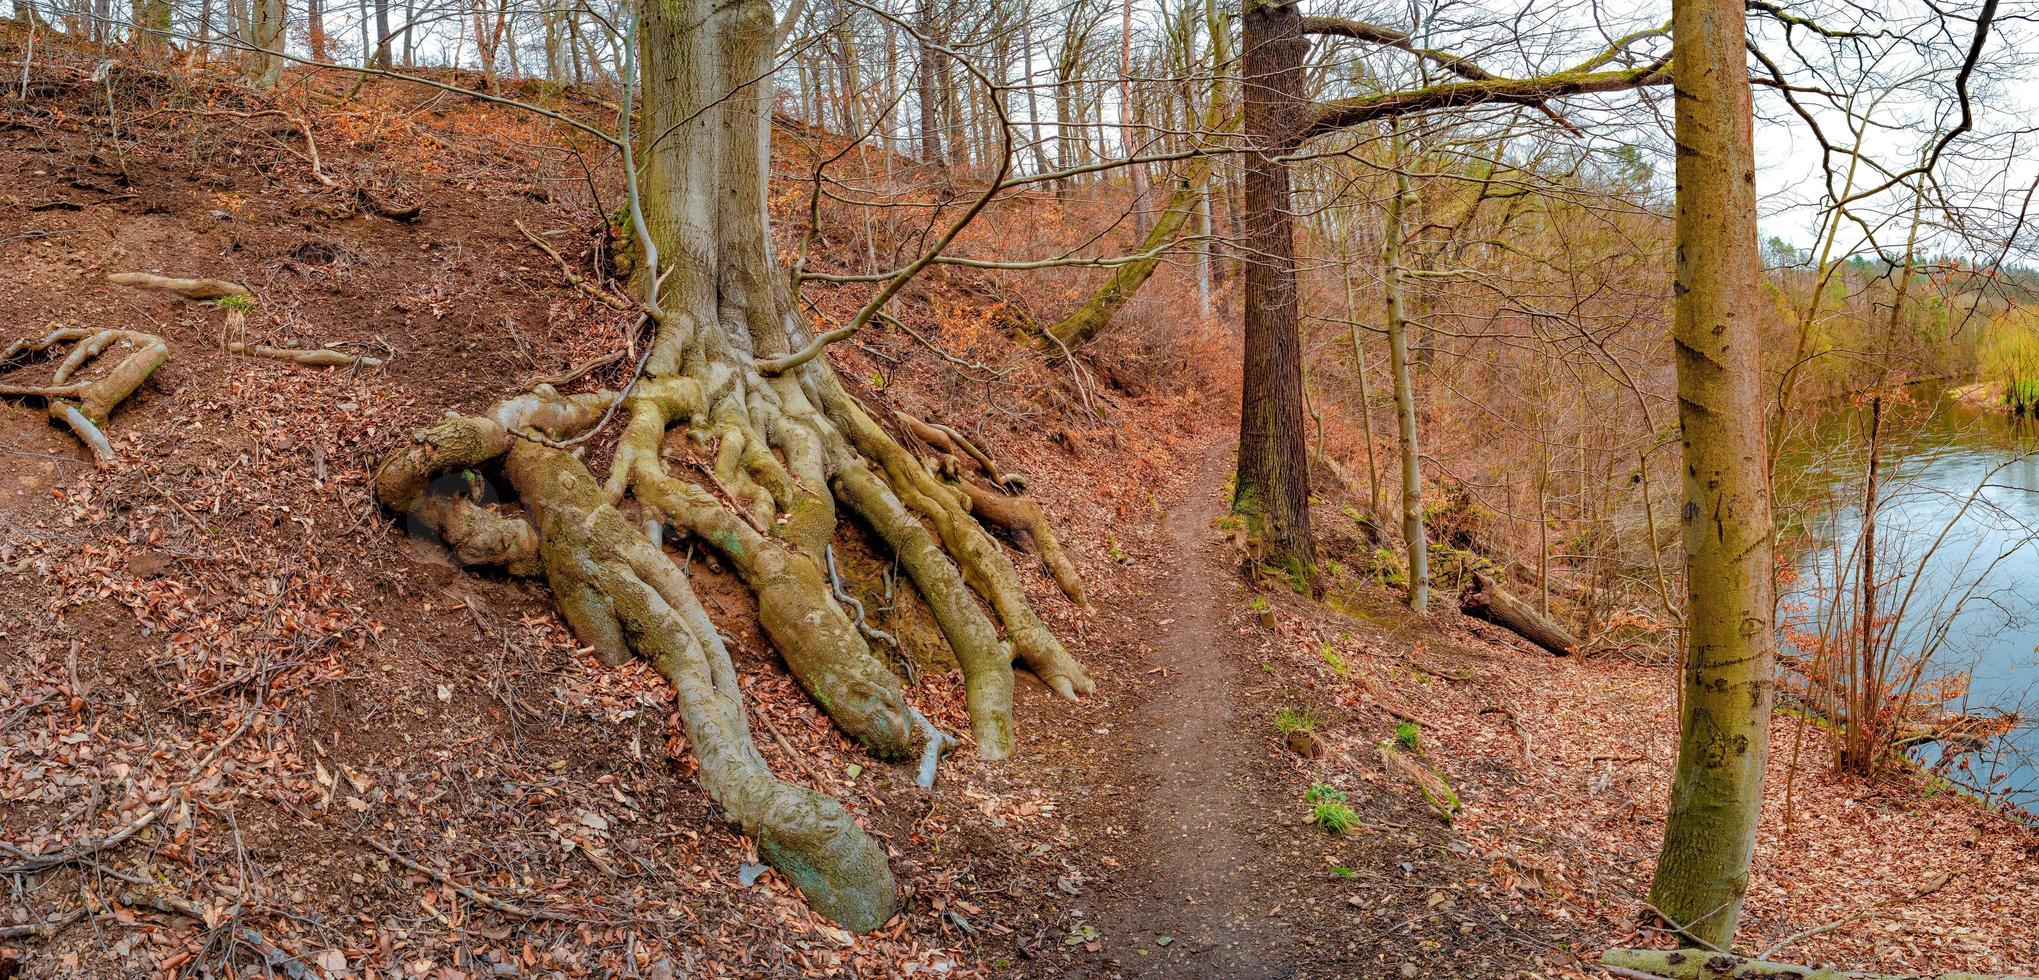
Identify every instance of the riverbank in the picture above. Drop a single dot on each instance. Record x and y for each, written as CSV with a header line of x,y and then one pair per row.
x,y
1561,766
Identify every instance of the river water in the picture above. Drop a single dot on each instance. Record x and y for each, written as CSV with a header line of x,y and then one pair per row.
x,y
1958,555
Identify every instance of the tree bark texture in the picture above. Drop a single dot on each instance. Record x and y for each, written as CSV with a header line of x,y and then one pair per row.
x,y
1729,656
1273,489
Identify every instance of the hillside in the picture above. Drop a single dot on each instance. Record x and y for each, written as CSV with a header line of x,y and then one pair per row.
x,y
250,719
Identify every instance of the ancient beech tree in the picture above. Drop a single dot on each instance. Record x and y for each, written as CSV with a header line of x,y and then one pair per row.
x,y
780,444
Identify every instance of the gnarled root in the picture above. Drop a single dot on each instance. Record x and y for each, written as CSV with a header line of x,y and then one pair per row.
x,y
621,593
315,357
84,405
187,288
1022,517
985,567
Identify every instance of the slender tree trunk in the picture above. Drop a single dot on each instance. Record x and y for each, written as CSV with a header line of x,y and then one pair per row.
x,y
928,93
1129,137
1864,733
1405,386
1373,468
1204,257
1033,98
1730,656
1273,486
203,49
381,41
315,28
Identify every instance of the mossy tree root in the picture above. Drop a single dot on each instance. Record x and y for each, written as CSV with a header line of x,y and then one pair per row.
x,y
621,593
83,406
955,458
769,443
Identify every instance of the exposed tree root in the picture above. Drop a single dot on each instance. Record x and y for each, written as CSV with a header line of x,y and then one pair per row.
x,y
1699,964
84,405
187,288
578,281
622,594
1022,517
727,388
317,357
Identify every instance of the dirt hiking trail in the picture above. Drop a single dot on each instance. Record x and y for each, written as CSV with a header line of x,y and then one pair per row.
x,y
1200,857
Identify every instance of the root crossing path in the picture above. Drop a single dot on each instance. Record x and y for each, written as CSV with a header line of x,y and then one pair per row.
x,y
1204,873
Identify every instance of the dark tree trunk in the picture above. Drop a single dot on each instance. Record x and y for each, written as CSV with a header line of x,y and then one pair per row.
x,y
1273,488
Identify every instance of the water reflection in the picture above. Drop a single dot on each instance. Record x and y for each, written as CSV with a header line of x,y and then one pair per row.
x,y
1957,555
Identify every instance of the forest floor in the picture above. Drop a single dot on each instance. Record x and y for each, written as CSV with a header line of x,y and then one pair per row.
x,y
353,758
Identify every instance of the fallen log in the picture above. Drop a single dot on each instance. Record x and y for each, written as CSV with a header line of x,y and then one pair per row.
x,y
1699,964
187,288
1487,600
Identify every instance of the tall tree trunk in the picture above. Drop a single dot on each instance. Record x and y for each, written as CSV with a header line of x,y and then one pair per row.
x,y
1373,467
381,41
1129,140
267,37
928,92
1405,384
1033,98
1730,655
315,28
1273,486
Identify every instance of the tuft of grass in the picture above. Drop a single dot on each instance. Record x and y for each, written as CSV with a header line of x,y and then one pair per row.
x,y
1289,721
1333,659
236,303
1408,735
1334,817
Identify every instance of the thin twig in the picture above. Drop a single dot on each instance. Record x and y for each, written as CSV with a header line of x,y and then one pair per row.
x,y
602,296
472,894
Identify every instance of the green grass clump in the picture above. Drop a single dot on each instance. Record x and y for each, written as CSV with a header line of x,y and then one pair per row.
x,y
236,303
1408,735
1333,659
1289,721
1334,817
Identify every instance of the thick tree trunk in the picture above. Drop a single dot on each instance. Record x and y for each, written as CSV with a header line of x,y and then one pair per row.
x,y
267,36
1273,486
1729,658
381,41
1489,601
